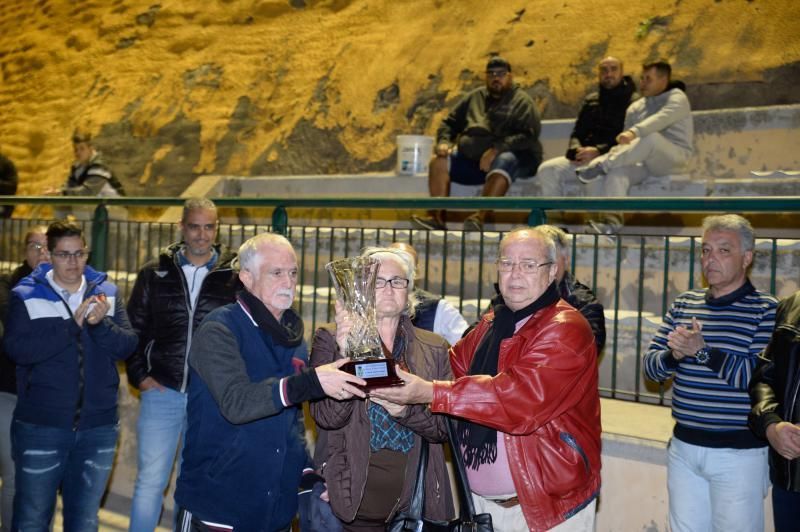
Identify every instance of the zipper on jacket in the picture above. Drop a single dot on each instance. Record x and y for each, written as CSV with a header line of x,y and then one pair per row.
x,y
189,325
148,349
81,376
90,286
190,309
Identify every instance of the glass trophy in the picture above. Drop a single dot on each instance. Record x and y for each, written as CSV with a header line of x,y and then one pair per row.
x,y
354,281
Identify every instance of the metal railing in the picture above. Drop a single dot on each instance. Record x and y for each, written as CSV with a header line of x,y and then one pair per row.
x,y
635,276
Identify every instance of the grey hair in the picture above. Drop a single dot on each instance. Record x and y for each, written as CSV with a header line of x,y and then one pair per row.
x,y
406,261
249,258
558,236
35,230
192,204
734,223
534,232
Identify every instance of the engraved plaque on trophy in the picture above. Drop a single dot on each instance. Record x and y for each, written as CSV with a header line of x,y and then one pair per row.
x,y
354,281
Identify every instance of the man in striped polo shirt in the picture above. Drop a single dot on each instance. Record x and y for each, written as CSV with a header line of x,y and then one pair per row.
x,y
708,344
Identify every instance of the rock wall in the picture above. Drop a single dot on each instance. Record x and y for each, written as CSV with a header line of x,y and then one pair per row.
x,y
263,87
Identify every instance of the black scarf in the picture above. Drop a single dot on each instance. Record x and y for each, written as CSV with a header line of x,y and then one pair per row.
x,y
480,441
287,333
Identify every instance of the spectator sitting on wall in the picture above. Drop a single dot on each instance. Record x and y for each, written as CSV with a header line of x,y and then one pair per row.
x,y
89,175
491,138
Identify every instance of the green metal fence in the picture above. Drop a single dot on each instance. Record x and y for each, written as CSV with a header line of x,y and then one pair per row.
x,y
635,276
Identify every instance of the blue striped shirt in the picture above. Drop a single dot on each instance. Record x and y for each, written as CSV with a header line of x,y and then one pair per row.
x,y
710,402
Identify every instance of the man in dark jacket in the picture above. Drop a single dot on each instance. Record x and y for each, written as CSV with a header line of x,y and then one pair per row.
x,y
490,138
601,119
66,329
171,297
35,253
245,447
775,415
573,291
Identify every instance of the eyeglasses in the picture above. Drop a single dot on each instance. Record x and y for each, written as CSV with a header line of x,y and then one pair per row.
x,y
36,246
66,255
525,266
496,73
397,283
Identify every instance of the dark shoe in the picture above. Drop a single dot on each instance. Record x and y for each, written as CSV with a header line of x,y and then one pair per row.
x,y
428,223
473,222
590,173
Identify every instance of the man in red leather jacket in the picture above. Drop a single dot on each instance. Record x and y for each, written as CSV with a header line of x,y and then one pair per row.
x,y
526,397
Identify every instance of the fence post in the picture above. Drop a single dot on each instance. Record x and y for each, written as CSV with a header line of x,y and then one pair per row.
x,y
537,217
99,238
280,220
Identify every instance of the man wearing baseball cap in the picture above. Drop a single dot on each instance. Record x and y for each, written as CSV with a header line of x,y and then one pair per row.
x,y
490,138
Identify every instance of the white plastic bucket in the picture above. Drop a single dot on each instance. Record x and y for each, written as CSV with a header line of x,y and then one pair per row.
x,y
413,154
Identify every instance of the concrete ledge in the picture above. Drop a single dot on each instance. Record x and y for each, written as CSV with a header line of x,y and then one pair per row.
x,y
729,145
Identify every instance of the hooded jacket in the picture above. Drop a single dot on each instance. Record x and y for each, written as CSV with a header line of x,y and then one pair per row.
x,y
66,374
602,117
509,123
668,113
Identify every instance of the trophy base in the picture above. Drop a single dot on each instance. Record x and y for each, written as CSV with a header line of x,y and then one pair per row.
x,y
378,372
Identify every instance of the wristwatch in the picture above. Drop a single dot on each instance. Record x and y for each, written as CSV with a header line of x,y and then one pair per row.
x,y
702,355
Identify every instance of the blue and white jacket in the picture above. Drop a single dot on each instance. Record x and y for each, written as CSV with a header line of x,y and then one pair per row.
x,y
66,374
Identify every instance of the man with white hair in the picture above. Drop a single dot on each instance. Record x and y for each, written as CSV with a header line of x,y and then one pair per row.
x,y
708,344
245,452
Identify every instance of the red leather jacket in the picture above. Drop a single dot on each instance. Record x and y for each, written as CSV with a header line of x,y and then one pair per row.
x,y
544,399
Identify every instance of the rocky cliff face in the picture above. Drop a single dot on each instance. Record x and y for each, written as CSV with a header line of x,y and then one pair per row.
x,y
261,87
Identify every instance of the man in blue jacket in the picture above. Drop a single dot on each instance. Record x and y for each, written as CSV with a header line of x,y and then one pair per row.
x,y
66,329
245,452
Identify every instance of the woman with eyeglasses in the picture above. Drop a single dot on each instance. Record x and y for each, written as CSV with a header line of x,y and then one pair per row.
x,y
371,447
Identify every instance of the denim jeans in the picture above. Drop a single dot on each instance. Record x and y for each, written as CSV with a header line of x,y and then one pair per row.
x,y
162,422
716,489
7,403
46,457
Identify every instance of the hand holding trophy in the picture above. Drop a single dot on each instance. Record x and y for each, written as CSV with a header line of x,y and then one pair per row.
x,y
354,281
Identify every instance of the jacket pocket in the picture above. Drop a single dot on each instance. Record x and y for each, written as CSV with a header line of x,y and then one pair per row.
x,y
564,464
225,459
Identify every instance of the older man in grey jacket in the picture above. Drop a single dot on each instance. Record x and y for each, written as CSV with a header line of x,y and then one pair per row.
x,y
657,140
